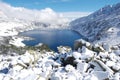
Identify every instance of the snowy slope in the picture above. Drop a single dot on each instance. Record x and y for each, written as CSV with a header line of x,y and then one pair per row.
x,y
100,26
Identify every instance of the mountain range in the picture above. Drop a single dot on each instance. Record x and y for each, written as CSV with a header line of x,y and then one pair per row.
x,y
102,26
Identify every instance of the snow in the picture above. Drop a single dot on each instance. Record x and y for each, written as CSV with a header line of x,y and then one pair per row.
x,y
76,55
69,68
35,65
17,41
101,75
7,29
87,53
14,20
82,67
100,27
84,64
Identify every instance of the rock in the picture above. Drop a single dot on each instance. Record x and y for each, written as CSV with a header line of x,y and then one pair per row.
x,y
39,44
103,54
82,67
7,78
18,67
116,76
117,52
69,68
86,53
69,60
116,67
33,56
71,76
5,70
106,47
79,43
115,48
101,75
110,63
64,49
105,67
76,55
91,77
41,78
97,48
113,57
1,76
56,76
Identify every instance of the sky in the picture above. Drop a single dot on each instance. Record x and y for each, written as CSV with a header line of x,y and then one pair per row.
x,y
71,9
62,5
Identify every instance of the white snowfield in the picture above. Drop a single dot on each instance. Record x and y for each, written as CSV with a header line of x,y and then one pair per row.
x,y
80,65
8,28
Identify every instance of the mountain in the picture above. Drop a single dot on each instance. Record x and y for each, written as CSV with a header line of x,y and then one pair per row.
x,y
17,19
102,26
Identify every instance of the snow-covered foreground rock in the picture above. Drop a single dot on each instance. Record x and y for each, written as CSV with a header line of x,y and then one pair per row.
x,y
84,64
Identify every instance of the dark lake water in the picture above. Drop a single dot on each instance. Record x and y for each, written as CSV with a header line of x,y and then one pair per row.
x,y
52,38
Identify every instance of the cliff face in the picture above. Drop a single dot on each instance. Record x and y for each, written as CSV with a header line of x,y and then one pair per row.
x,y
100,26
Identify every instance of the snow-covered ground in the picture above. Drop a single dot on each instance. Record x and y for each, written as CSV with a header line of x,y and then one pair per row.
x,y
8,28
83,64
17,41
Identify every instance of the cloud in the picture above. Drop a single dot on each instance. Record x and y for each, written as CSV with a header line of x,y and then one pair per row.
x,y
74,15
46,15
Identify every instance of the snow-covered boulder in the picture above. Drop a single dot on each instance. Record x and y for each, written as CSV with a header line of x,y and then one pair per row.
x,y
86,53
79,43
73,65
64,49
82,67
69,68
101,75
76,55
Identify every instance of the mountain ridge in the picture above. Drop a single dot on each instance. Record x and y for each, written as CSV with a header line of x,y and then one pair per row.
x,y
100,26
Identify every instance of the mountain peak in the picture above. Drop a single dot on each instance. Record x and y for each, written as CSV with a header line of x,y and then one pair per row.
x,y
96,25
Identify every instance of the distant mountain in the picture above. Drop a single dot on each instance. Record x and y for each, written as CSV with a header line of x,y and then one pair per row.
x,y
100,26
17,19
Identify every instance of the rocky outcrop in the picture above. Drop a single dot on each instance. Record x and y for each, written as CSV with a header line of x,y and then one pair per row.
x,y
80,43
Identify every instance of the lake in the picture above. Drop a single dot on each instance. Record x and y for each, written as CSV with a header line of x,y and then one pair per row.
x,y
52,38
